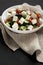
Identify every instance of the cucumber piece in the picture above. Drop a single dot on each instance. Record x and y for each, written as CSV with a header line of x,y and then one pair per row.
x,y
26,21
22,28
8,24
25,24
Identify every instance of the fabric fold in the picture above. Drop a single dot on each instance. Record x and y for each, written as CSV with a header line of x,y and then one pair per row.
x,y
33,43
39,55
8,40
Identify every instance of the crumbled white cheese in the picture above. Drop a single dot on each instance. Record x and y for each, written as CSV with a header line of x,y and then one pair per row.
x,y
33,15
28,12
34,21
27,17
23,13
15,18
21,21
30,27
15,26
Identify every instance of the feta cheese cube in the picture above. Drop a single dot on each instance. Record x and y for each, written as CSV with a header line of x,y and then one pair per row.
x,y
34,21
8,15
15,26
30,27
15,18
13,13
40,20
28,12
27,17
21,21
23,13
33,15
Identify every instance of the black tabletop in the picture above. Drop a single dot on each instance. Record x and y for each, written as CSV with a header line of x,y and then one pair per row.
x,y
19,57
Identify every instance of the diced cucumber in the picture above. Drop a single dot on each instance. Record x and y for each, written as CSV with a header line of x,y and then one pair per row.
x,y
26,21
25,24
8,24
22,28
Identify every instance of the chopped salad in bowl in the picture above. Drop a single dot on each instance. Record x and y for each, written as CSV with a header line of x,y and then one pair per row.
x,y
20,19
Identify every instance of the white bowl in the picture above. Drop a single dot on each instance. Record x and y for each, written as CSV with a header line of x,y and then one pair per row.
x,y
16,33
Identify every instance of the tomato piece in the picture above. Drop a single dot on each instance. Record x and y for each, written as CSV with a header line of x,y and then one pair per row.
x,y
30,19
18,11
38,15
38,23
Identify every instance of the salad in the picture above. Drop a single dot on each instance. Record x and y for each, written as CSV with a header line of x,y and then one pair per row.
x,y
23,19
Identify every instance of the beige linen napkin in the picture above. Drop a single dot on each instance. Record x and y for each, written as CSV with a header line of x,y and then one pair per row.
x,y
8,40
39,55
28,42
31,44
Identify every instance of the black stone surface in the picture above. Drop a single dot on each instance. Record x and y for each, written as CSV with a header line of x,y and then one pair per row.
x,y
19,57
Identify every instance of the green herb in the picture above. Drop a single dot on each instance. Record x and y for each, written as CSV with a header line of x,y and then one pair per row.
x,y
11,23
19,16
35,26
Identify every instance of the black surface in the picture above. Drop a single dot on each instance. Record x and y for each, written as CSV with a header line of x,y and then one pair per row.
x,y
19,57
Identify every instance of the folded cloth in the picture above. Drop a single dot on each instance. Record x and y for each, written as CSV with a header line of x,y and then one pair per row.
x,y
34,42
39,55
28,42
8,40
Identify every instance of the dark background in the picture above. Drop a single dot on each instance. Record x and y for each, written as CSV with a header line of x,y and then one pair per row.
x,y
19,57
